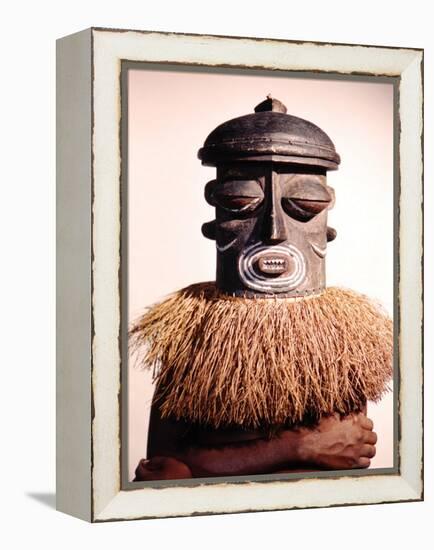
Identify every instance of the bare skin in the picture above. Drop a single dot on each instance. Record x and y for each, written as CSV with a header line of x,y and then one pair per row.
x,y
334,443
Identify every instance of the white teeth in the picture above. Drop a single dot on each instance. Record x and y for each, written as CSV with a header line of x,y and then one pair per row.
x,y
274,261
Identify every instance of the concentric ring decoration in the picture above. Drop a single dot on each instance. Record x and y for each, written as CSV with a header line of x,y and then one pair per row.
x,y
254,280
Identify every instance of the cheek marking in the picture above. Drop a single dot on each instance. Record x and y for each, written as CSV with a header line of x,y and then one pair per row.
x,y
233,226
321,252
226,246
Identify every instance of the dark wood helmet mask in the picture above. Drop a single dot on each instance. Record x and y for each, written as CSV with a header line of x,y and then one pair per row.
x,y
271,199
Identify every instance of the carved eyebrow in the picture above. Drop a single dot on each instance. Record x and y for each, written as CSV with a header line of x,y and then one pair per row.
x,y
239,188
238,196
223,195
308,190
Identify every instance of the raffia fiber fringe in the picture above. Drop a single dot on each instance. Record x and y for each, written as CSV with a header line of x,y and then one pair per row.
x,y
222,361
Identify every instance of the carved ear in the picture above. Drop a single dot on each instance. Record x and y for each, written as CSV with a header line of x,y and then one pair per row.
x,y
209,230
209,189
331,234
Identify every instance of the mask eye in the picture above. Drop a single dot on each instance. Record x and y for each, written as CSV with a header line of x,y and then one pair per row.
x,y
303,210
238,196
237,204
304,202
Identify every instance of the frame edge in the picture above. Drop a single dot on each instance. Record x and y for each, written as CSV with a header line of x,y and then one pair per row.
x,y
73,275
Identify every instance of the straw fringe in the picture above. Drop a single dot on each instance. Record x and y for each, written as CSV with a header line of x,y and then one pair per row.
x,y
220,360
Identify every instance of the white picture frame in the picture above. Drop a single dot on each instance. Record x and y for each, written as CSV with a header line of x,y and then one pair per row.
x,y
89,423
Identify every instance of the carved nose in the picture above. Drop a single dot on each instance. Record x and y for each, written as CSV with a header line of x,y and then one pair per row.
x,y
275,230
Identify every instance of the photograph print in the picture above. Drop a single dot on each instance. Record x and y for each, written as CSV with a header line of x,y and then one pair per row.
x,y
258,297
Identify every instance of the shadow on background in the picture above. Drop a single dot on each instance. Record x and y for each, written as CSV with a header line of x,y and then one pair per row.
x,y
47,499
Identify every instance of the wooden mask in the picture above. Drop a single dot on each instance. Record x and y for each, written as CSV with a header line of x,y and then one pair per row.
x,y
271,209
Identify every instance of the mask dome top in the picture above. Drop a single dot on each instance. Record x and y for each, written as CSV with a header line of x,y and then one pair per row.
x,y
270,134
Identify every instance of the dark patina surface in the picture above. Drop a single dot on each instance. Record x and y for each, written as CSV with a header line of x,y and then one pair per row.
x,y
271,198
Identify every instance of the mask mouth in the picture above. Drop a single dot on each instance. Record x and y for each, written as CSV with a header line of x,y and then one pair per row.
x,y
272,269
272,264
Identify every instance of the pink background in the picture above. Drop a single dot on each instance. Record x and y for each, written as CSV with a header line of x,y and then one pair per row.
x,y
170,115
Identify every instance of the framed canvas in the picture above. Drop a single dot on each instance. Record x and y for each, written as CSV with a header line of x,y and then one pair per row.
x,y
133,110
